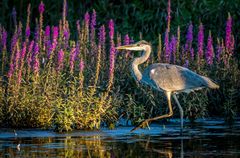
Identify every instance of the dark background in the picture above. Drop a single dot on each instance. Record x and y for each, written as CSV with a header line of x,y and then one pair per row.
x,y
149,18
146,16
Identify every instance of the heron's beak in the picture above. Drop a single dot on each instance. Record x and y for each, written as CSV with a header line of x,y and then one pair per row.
x,y
125,47
129,47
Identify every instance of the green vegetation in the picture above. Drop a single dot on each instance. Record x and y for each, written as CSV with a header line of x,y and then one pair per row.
x,y
68,75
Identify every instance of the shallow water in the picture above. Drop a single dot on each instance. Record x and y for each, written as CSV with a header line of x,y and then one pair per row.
x,y
208,138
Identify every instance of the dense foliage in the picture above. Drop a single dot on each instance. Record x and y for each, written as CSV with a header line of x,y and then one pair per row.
x,y
69,75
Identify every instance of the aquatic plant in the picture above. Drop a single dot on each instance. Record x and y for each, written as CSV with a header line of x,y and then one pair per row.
x,y
166,47
200,42
53,80
112,54
209,51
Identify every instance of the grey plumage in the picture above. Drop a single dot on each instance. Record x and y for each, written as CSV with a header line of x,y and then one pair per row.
x,y
168,78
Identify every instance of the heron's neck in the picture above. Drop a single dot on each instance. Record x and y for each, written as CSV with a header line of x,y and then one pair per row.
x,y
137,61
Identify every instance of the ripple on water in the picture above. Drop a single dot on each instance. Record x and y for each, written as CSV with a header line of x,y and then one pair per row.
x,y
208,138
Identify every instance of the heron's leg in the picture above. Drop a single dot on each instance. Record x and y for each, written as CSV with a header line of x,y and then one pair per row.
x,y
180,110
145,122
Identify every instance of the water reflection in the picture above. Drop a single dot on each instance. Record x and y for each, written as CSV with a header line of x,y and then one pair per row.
x,y
203,141
168,153
90,146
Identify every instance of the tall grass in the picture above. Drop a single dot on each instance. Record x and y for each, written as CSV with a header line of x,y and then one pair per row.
x,y
70,77
52,81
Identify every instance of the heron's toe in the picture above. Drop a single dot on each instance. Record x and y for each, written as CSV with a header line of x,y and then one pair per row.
x,y
144,124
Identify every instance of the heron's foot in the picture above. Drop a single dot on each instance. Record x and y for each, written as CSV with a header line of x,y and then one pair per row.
x,y
142,124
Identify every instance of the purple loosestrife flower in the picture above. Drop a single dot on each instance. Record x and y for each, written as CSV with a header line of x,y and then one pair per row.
x,y
111,37
86,29
190,33
36,64
47,36
126,39
14,56
3,48
192,54
119,40
228,37
72,59
112,53
64,14
30,47
200,41
81,76
47,31
77,49
54,41
87,19
28,32
19,31
189,38
186,64
174,43
30,57
60,60
102,35
209,52
112,61
15,65
4,39
41,8
55,33
11,70
66,36
36,33
111,29
219,50
126,42
78,28
225,60
81,65
23,53
166,45
93,25
14,42
173,48
16,60
232,44
169,15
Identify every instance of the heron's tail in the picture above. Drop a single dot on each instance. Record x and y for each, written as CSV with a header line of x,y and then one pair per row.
x,y
209,83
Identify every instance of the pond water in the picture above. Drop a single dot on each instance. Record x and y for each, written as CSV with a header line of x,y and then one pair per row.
x,y
208,138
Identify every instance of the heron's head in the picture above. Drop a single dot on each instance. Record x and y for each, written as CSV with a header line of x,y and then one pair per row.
x,y
139,46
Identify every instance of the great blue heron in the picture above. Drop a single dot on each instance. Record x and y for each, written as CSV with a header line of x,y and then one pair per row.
x,y
168,78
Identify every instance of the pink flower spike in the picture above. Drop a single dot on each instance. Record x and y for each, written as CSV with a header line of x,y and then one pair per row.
x,y
72,59
60,60
228,38
209,52
111,29
81,65
200,40
41,7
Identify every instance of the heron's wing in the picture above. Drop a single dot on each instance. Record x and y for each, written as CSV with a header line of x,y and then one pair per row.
x,y
172,77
